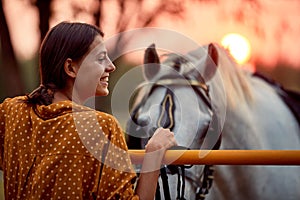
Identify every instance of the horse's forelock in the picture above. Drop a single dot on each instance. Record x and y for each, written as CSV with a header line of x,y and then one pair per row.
x,y
181,64
235,80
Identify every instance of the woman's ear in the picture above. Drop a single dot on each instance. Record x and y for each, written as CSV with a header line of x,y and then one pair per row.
x,y
70,68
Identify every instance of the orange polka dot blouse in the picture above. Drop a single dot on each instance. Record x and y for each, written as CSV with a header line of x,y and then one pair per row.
x,y
62,151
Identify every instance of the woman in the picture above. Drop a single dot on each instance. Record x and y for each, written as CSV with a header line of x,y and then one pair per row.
x,y
53,147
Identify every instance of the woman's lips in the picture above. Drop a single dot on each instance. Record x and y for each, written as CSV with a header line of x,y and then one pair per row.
x,y
104,81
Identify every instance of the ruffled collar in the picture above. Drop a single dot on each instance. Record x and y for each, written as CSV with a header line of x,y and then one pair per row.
x,y
59,108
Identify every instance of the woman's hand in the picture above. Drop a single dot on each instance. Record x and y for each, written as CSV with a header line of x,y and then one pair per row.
x,y
156,147
161,140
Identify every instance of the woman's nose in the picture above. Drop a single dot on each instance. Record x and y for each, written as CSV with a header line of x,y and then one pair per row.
x,y
110,66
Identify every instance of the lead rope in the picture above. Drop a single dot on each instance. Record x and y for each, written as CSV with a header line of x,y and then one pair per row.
x,y
157,193
178,185
182,167
164,178
180,171
206,182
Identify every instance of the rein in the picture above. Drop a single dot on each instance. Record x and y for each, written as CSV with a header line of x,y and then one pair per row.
x,y
166,120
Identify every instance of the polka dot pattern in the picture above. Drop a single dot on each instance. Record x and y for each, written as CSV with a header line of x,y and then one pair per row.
x,y
62,151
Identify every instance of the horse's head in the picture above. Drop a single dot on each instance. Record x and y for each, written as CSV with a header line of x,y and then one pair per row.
x,y
175,96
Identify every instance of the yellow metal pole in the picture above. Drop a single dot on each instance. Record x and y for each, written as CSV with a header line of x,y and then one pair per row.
x,y
225,157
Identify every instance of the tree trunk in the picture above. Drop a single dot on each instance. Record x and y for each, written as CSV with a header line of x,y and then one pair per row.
x,y
44,7
11,80
98,14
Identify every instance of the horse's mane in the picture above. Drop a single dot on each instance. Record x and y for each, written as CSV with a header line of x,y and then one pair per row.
x,y
235,79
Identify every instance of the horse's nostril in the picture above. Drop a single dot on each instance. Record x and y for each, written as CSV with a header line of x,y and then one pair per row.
x,y
144,121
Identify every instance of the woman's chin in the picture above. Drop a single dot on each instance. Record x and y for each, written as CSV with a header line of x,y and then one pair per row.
x,y
102,93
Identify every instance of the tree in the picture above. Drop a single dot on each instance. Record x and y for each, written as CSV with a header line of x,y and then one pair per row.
x,y
10,72
129,14
44,7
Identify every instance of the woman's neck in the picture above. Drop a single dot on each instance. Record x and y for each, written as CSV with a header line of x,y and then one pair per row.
x,y
63,95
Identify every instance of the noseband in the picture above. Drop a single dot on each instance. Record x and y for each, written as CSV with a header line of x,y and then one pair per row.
x,y
166,120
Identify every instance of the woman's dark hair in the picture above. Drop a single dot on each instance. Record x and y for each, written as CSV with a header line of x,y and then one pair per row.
x,y
63,41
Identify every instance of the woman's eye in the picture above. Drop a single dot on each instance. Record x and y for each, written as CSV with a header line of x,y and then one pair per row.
x,y
102,57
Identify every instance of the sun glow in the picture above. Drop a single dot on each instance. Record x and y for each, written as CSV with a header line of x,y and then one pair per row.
x,y
238,46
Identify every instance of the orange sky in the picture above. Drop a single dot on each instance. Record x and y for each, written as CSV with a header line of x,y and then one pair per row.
x,y
202,24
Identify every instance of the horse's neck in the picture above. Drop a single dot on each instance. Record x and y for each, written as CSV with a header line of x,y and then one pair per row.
x,y
264,122
238,97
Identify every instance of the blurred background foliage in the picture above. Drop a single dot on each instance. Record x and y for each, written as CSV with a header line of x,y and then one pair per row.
x,y
21,76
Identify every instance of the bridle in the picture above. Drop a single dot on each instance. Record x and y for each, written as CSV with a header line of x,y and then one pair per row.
x,y
166,120
167,103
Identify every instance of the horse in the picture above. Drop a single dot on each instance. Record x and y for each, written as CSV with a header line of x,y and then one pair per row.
x,y
209,102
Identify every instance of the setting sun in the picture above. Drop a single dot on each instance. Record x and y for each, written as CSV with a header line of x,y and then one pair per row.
x,y
238,46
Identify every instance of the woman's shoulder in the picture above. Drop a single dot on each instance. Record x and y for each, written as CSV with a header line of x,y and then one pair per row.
x,y
14,101
92,114
106,118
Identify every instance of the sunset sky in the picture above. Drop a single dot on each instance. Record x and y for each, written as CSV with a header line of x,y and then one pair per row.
x,y
203,22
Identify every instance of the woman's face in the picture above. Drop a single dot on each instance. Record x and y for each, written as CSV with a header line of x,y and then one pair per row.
x,y
94,70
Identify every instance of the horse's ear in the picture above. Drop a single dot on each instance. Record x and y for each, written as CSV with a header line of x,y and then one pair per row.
x,y
213,53
151,62
211,62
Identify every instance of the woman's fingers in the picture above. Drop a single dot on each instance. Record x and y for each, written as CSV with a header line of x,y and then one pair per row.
x,y
161,139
